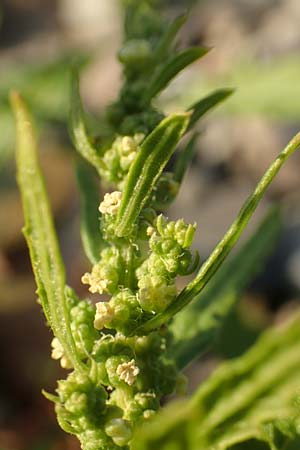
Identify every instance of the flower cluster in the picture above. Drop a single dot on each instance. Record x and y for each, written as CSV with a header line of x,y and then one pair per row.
x,y
117,158
128,373
82,314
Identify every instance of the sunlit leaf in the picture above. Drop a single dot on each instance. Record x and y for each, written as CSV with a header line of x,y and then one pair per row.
x,y
171,68
154,154
168,38
40,233
201,107
224,247
245,403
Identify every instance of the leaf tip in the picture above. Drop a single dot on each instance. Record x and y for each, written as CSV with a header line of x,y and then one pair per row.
x,y
16,100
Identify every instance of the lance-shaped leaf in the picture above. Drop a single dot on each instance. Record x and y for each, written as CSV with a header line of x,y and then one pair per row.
x,y
184,159
201,107
78,132
149,163
167,39
89,215
40,233
171,68
224,247
247,401
195,328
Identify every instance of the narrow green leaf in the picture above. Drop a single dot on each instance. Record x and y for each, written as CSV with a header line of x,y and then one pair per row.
x,y
245,401
154,154
195,327
40,233
224,247
51,397
78,132
90,215
205,104
171,68
184,159
168,38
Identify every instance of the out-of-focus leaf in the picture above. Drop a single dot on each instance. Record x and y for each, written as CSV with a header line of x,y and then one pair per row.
x,y
168,38
245,403
196,326
205,104
154,154
40,233
224,247
89,220
171,68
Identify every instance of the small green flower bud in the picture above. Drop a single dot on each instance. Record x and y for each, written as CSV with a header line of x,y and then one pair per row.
x,y
148,344
119,430
77,403
147,400
155,294
113,412
135,52
128,145
148,413
95,439
126,311
110,345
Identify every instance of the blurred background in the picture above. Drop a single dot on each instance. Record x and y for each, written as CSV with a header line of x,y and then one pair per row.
x,y
256,50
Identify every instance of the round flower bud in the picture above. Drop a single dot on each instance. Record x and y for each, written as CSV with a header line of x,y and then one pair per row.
x,y
77,403
155,294
119,430
135,52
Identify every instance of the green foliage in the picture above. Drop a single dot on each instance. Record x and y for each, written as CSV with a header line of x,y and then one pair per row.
x,y
250,402
40,234
123,357
90,217
199,108
171,68
154,154
223,248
